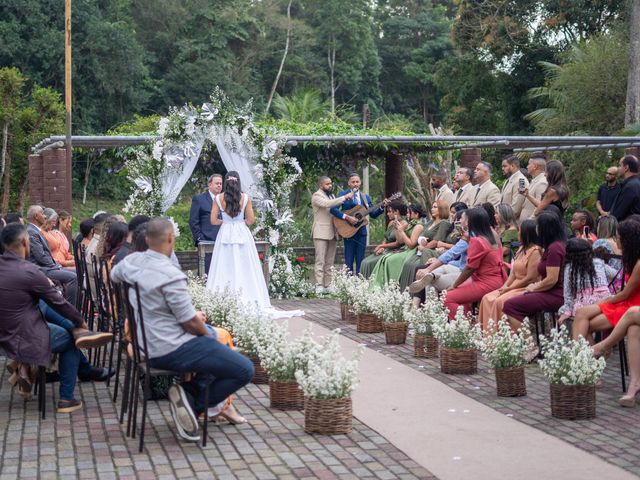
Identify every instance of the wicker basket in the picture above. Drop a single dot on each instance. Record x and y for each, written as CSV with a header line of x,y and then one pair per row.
x,y
573,402
510,382
425,346
458,360
344,311
369,323
260,376
350,315
395,333
328,416
286,395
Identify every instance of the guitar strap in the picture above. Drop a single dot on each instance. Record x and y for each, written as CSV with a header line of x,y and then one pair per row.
x,y
363,197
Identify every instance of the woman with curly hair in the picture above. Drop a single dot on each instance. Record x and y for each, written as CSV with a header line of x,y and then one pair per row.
x,y
607,314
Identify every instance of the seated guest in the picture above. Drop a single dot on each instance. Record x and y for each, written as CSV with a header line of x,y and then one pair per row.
x,y
114,239
40,254
585,278
25,336
545,295
607,232
523,273
491,211
435,230
452,235
177,337
48,230
396,209
13,218
86,232
583,225
407,233
91,249
484,270
557,191
606,314
126,247
507,229
64,229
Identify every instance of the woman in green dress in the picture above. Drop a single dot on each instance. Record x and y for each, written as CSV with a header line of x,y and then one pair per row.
x,y
435,233
396,209
507,229
390,265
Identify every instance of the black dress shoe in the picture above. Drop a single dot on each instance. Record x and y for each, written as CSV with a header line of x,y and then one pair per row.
x,y
68,406
98,375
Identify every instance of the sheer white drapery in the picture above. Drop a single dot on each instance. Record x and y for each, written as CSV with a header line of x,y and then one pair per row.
x,y
181,161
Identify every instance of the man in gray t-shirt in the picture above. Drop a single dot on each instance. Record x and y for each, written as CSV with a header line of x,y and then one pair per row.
x,y
177,338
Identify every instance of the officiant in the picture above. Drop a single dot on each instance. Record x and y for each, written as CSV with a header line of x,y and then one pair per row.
x,y
200,215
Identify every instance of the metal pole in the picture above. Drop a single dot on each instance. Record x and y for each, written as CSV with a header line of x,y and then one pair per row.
x,y
67,93
365,169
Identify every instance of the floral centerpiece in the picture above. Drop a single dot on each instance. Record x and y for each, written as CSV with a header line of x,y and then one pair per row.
x,y
392,306
572,371
506,351
423,321
364,301
328,383
341,280
251,332
458,341
221,308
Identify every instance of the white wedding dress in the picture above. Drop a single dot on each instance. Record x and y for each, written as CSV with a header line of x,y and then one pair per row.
x,y
235,265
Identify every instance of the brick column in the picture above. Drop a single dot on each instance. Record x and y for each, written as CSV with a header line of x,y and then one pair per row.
x,y
56,180
36,193
635,151
470,157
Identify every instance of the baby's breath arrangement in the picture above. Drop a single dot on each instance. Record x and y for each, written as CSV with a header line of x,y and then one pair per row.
x,y
341,280
282,358
390,304
505,348
569,362
221,308
432,312
362,298
459,333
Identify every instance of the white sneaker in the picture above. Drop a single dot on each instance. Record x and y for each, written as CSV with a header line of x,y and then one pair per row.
x,y
319,290
330,290
182,414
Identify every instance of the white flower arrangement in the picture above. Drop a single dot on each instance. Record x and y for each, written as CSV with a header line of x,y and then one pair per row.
x,y
390,304
459,333
281,358
432,313
569,362
506,348
221,308
362,298
329,375
341,280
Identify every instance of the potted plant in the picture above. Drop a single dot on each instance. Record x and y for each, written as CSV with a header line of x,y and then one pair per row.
x,y
572,371
249,333
328,383
341,283
364,304
423,321
505,350
392,307
458,341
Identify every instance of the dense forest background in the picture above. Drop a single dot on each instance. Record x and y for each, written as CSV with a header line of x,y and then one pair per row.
x,y
472,67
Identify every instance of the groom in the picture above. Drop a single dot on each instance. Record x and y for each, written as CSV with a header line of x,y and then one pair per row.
x,y
200,216
354,247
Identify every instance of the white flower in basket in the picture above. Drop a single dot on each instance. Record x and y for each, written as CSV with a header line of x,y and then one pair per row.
x,y
459,333
363,300
390,304
506,348
569,362
341,282
329,374
432,313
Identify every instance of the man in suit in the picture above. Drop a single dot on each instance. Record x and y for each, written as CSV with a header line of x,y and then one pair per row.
x,y
510,189
324,232
439,183
485,190
40,254
464,194
536,167
200,215
354,247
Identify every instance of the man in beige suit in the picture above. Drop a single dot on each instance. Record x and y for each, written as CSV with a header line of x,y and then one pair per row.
x,y
324,232
515,178
536,168
465,193
439,183
485,191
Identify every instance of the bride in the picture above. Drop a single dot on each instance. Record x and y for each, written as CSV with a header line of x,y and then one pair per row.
x,y
235,263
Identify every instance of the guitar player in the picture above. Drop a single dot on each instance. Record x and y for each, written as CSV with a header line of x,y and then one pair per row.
x,y
354,247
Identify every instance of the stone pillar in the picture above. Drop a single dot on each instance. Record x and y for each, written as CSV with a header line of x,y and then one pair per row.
x,y
635,151
393,173
56,180
470,157
36,193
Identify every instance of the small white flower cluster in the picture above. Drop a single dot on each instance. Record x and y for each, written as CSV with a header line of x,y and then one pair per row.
x,y
282,359
287,280
329,374
423,320
390,304
221,308
341,282
569,362
362,298
459,333
505,348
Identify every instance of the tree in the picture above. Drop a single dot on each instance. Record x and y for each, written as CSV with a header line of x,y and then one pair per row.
x,y
304,106
632,110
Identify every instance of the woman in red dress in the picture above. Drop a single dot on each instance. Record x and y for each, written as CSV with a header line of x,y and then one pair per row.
x,y
607,314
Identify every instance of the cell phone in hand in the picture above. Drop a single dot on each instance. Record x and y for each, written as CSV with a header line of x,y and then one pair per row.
x,y
521,186
586,232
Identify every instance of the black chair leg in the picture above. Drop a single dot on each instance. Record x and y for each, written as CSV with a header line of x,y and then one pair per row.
x,y
134,407
205,429
145,395
42,391
623,364
117,375
133,385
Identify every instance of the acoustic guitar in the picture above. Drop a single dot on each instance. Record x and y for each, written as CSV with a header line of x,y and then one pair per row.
x,y
346,230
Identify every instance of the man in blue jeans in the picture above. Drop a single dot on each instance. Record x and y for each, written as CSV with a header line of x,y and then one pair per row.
x,y
177,338
26,337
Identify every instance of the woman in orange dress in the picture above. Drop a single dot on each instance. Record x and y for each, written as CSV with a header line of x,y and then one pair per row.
x,y
524,272
59,254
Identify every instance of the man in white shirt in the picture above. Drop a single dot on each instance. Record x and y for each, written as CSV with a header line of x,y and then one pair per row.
x,y
515,180
485,190
439,183
465,192
536,167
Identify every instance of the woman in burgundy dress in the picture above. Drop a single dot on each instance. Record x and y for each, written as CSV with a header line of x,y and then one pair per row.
x,y
545,295
484,271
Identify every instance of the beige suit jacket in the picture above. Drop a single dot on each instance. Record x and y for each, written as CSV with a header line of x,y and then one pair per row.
x,y
537,187
487,192
323,228
510,194
466,195
445,194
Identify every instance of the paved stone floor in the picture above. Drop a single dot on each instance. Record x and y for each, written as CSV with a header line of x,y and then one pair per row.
x,y
92,444
613,435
